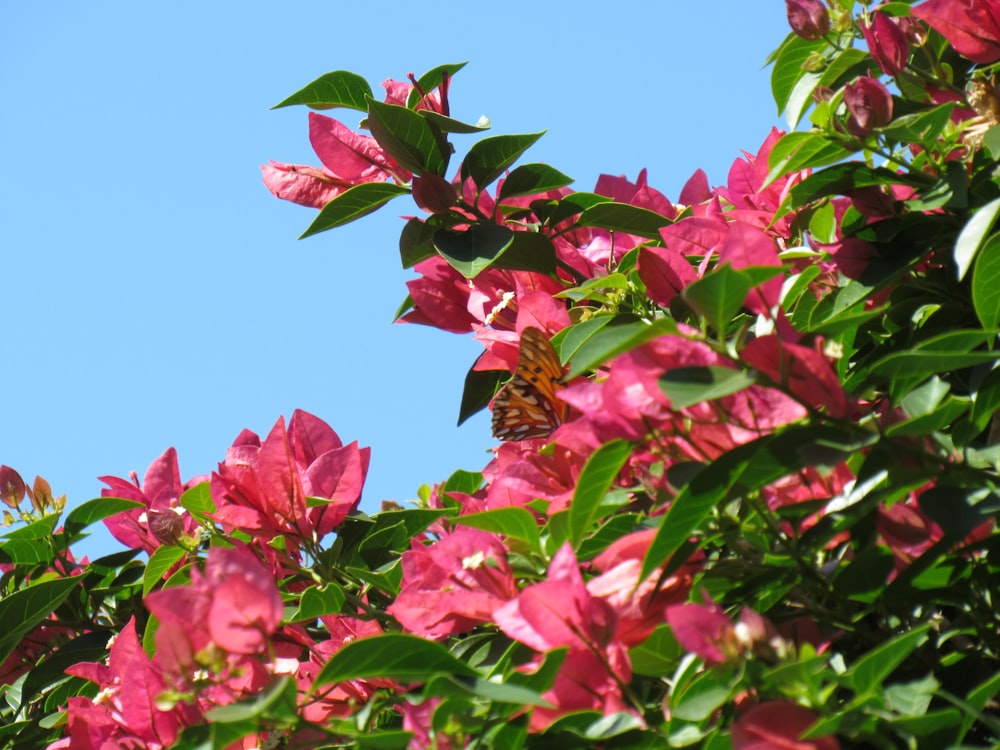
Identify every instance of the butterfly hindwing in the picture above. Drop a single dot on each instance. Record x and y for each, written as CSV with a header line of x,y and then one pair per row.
x,y
527,407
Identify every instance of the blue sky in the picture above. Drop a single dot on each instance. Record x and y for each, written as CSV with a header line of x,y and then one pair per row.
x,y
155,292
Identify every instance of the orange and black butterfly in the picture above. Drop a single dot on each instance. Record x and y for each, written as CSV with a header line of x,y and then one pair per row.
x,y
527,407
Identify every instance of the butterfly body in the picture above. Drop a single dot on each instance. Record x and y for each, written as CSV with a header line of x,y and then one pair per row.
x,y
527,406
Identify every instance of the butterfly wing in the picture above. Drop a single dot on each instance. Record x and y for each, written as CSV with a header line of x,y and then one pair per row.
x,y
527,407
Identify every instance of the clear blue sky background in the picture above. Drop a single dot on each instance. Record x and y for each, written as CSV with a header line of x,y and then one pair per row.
x,y
154,292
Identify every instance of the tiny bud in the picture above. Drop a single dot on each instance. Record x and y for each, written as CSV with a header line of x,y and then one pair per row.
x,y
809,19
886,43
165,526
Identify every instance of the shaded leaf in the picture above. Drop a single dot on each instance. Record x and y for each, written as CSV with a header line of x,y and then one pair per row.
x,y
597,477
394,656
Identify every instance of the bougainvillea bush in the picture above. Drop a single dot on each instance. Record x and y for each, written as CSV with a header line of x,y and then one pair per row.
x,y
746,480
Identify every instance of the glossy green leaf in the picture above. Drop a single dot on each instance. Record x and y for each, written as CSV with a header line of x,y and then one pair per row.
x,y
517,523
986,283
606,338
622,217
870,671
21,611
746,469
529,251
43,528
701,697
797,151
352,204
276,701
452,686
840,178
198,501
529,179
788,67
491,157
973,236
597,477
97,510
987,399
162,560
472,251
416,242
450,125
394,656
408,137
430,80
480,388
317,601
719,295
943,353
920,127
340,88
27,552
959,510
686,386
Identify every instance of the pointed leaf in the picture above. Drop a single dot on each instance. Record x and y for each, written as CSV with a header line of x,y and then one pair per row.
x,y
162,560
408,137
341,88
449,125
480,388
986,283
599,473
591,344
430,80
474,250
510,522
622,217
21,611
686,386
317,601
352,204
490,157
394,656
97,510
529,179
868,673
973,236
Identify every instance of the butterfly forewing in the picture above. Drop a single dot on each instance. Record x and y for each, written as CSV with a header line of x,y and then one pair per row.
x,y
527,406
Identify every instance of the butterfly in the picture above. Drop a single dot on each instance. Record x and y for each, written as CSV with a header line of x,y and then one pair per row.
x,y
527,407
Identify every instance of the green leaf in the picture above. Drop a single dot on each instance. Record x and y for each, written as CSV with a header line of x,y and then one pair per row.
x,y
599,473
622,217
480,388
657,655
868,673
529,251
27,551
920,127
986,283
473,251
430,80
701,697
529,179
943,353
43,528
489,158
21,611
394,656
686,386
801,97
788,69
317,601
198,501
162,560
510,522
408,137
276,701
352,204
463,481
600,340
796,151
450,125
452,686
746,469
991,142
719,295
973,236
959,510
341,88
840,178
97,510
